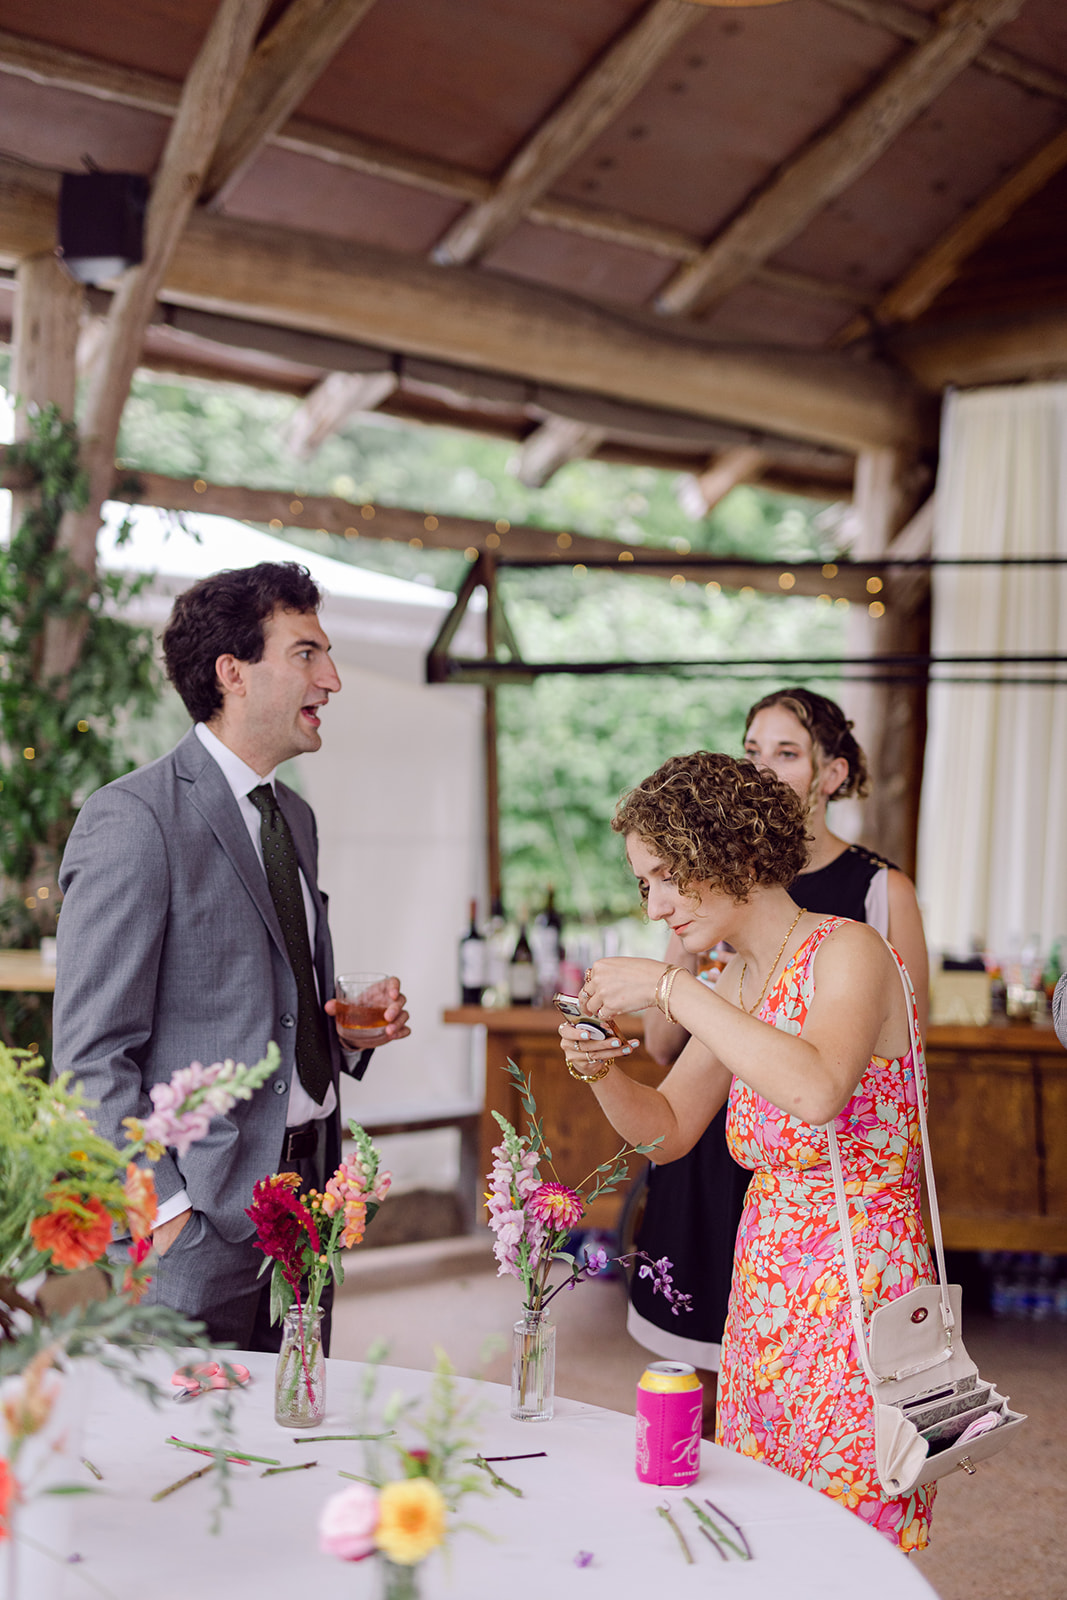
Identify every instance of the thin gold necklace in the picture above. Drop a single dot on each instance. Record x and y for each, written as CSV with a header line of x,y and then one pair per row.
x,y
767,979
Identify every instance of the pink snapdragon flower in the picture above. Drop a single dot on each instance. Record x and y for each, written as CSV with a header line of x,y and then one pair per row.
x,y
184,1107
510,1187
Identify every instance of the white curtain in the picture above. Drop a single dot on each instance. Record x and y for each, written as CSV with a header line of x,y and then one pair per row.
x,y
993,824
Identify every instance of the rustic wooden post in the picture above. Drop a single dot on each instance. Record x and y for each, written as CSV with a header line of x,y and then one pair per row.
x,y
890,720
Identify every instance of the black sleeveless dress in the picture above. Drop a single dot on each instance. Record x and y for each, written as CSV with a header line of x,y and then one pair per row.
x,y
694,1205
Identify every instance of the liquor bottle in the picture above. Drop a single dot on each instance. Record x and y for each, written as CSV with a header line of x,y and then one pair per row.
x,y
522,971
472,962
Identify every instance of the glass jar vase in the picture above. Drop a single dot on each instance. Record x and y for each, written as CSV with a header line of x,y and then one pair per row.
x,y
300,1376
399,1582
533,1368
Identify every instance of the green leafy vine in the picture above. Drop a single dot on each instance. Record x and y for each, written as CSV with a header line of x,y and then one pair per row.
x,y
60,736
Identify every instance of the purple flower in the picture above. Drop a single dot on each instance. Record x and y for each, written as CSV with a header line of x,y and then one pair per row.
x,y
584,1558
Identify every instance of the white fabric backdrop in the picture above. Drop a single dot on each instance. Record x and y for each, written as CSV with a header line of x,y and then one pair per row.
x,y
993,825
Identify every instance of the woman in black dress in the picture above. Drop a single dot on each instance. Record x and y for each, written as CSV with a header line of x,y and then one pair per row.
x,y
693,1206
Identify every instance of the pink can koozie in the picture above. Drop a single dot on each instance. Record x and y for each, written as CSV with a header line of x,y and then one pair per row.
x,y
670,1406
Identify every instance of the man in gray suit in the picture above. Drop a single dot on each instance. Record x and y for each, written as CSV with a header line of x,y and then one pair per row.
x,y
192,928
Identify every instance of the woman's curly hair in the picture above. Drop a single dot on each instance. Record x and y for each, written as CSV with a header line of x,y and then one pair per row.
x,y
831,734
711,819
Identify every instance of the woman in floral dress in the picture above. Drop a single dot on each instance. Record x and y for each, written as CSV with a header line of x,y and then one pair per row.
x,y
807,1024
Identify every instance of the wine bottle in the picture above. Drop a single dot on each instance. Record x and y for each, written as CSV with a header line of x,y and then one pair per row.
x,y
546,935
472,962
522,971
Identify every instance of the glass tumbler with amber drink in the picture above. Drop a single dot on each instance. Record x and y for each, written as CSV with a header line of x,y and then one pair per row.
x,y
362,999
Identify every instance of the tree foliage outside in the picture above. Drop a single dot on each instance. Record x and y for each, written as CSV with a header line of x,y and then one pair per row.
x,y
569,746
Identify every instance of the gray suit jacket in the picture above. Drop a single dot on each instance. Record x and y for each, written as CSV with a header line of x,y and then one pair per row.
x,y
170,952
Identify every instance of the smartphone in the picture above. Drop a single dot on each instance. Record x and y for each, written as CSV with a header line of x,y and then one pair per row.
x,y
598,1027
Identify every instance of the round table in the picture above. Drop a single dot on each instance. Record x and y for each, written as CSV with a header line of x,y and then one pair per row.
x,y
582,1495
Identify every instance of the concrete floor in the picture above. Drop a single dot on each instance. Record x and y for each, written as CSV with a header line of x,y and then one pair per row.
x,y
997,1536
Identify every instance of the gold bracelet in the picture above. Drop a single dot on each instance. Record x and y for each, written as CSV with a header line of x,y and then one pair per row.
x,y
663,990
590,1077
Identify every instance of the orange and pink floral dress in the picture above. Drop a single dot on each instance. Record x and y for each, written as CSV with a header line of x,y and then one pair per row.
x,y
791,1391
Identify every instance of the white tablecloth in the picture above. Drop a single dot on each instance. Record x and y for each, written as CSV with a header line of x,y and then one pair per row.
x,y
583,1495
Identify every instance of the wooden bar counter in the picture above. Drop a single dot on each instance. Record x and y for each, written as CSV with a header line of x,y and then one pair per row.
x,y
998,1119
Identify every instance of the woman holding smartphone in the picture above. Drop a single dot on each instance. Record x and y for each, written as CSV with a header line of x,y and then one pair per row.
x,y
693,1206
808,1023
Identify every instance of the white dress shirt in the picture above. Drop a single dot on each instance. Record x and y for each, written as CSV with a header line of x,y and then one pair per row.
x,y
242,780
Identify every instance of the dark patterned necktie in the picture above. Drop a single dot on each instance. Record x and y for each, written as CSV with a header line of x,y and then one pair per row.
x,y
283,880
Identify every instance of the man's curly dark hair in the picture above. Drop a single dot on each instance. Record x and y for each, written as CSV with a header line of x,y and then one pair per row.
x,y
223,616
713,820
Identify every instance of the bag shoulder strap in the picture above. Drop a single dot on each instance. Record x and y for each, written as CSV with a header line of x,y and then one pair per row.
x,y
843,1219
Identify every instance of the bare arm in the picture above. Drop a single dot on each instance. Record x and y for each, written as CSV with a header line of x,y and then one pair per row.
x,y
857,1011
908,939
665,1040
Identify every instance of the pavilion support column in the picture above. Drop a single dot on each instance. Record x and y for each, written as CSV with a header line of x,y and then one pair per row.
x,y
890,720
492,758
48,306
205,100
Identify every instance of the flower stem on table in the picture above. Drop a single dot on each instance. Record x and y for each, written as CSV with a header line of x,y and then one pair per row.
x,y
94,1470
665,1513
706,1523
190,1477
329,1438
231,1455
299,1466
494,1477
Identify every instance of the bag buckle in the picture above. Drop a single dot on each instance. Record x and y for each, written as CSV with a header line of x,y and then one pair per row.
x,y
968,1466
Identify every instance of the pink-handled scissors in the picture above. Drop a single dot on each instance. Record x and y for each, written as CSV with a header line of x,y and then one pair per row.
x,y
195,1380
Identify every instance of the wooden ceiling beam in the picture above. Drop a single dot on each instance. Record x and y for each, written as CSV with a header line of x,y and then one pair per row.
x,y
486,321
937,267
550,446
285,65
907,23
835,158
732,467
280,508
48,65
969,351
328,407
589,107
205,98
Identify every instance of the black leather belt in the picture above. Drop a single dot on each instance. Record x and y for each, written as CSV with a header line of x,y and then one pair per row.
x,y
302,1142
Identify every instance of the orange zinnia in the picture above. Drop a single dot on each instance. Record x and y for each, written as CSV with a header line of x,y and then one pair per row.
x,y
9,1498
76,1232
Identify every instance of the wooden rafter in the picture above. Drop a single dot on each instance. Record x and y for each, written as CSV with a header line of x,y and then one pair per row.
x,y
145,91
980,350
205,98
284,67
837,157
730,468
937,267
585,112
525,545
557,441
486,321
339,396
907,23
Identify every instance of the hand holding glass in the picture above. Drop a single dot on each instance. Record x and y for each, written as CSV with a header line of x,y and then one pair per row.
x,y
362,999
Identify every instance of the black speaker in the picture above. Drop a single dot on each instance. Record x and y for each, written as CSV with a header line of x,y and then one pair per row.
x,y
101,223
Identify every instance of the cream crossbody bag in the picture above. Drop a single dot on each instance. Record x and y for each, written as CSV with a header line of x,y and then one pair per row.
x,y
928,1394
